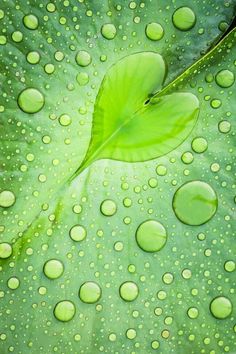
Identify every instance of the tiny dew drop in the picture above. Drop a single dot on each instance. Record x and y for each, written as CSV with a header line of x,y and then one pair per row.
x,y
64,310
83,58
184,18
78,233
30,21
168,278
216,103
90,292
199,145
31,100
225,78
13,283
5,250
7,199
151,236
53,268
154,31
221,307
108,207
129,291
108,31
195,203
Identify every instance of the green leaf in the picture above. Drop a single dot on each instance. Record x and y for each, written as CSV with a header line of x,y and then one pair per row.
x,y
130,126
126,257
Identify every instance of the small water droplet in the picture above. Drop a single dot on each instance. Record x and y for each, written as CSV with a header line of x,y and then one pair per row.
x,y
13,283
230,266
199,145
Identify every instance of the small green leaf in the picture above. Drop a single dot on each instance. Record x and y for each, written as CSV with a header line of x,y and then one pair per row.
x,y
136,125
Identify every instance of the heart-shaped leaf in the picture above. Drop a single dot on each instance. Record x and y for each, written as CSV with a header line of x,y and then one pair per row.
x,y
131,122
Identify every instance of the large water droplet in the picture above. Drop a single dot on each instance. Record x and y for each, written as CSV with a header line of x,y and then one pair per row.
x,y
7,199
108,207
184,18
64,310
90,292
151,236
221,307
31,21
195,203
225,78
108,31
78,233
83,58
53,268
5,250
31,100
129,291
154,31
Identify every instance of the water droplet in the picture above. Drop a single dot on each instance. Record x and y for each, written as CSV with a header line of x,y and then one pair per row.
x,y
230,266
33,57
90,292
155,344
184,18
187,157
17,36
225,78
5,250
78,233
199,145
161,170
224,126
65,120
108,31
195,203
168,278
221,307
131,333
31,21
154,31
64,310
13,283
215,103
83,58
82,78
30,100
129,291
108,207
53,268
7,199
192,312
151,236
